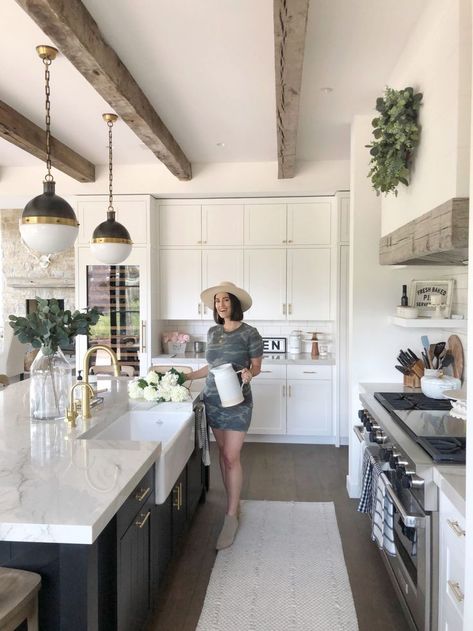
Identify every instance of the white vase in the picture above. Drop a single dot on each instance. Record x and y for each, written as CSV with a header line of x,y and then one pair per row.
x,y
50,383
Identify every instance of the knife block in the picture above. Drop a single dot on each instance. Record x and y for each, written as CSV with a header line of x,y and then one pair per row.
x,y
412,381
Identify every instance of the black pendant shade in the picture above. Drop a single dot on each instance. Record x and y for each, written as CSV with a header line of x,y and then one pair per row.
x,y
111,231
49,208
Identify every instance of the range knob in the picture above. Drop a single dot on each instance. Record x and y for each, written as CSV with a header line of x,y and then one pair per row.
x,y
393,459
385,453
406,481
361,414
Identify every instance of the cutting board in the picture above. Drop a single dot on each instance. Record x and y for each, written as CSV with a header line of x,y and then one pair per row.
x,y
456,348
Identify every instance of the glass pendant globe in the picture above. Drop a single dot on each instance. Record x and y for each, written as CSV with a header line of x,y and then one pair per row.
x,y
48,238
111,253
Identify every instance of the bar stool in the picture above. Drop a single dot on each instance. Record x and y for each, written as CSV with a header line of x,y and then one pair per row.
x,y
18,599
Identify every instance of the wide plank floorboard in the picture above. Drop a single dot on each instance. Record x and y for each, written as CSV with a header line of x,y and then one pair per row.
x,y
305,473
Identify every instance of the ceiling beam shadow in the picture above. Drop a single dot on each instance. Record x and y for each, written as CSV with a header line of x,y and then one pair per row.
x,y
71,27
290,26
23,133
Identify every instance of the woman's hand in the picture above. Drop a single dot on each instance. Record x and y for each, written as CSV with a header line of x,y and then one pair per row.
x,y
246,375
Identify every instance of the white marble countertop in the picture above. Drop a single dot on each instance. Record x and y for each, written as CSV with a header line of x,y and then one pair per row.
x,y
273,358
55,487
450,479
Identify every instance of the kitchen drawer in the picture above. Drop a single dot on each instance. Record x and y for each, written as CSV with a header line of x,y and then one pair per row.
x,y
272,371
142,493
309,371
453,524
455,576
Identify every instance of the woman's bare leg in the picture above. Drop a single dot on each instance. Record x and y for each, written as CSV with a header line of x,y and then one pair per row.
x,y
233,442
219,435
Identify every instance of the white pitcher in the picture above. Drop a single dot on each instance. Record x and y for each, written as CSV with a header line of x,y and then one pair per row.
x,y
228,385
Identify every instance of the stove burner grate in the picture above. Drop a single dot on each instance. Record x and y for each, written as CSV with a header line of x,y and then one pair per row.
x,y
410,401
444,449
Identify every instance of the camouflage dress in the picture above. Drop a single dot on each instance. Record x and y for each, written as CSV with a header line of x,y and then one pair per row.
x,y
238,348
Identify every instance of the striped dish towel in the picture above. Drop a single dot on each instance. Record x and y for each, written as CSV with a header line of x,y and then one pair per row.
x,y
383,512
370,457
202,432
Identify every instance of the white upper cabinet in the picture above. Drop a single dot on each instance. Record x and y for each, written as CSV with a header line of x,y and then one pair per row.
x,y
130,210
218,265
343,207
200,224
309,223
265,224
265,280
222,224
180,225
180,283
308,284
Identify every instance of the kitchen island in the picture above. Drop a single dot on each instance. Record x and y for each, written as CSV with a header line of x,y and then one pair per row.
x,y
81,513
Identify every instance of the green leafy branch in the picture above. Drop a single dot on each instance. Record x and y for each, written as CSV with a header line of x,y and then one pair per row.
x,y
51,327
396,135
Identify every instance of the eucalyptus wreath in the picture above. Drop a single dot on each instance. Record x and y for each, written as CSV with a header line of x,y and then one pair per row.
x,y
396,135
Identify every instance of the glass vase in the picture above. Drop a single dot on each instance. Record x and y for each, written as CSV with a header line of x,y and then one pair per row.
x,y
50,383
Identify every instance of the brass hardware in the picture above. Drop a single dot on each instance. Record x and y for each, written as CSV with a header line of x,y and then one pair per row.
x,y
176,497
284,391
457,529
199,308
309,372
290,308
457,592
46,52
284,241
109,240
204,241
143,336
180,495
140,496
85,372
199,241
110,118
141,523
289,241
71,411
289,390
284,308
63,221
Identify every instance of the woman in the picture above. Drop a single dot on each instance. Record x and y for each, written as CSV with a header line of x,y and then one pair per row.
x,y
231,341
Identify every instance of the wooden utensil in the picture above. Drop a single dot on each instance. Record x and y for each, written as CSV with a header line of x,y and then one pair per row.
x,y
456,349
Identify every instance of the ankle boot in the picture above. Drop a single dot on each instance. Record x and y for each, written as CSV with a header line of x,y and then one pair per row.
x,y
228,532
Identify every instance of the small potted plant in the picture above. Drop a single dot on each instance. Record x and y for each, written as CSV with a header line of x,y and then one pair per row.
x,y
47,329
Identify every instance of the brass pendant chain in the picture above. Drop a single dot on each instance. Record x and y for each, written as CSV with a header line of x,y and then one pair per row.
x,y
47,63
110,170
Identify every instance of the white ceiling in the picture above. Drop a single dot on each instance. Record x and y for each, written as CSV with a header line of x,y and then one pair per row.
x,y
207,67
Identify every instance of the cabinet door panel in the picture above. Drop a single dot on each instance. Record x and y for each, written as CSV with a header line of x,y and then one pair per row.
x,y
308,279
269,407
265,280
344,220
309,223
180,225
180,282
222,224
265,224
309,408
218,265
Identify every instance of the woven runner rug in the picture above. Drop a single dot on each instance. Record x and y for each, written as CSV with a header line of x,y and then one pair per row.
x,y
284,572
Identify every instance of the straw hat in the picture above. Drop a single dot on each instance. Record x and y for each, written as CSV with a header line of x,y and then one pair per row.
x,y
225,286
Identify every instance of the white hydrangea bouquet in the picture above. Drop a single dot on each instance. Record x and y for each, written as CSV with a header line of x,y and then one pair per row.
x,y
160,387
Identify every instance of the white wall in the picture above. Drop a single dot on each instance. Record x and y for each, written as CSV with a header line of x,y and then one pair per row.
x,y
375,291
18,185
436,62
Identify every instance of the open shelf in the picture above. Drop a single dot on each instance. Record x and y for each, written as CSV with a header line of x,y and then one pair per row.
x,y
428,323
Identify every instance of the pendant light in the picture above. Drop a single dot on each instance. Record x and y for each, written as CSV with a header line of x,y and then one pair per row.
x,y
48,223
111,242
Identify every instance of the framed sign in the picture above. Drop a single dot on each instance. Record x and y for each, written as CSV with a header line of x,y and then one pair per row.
x,y
431,296
274,344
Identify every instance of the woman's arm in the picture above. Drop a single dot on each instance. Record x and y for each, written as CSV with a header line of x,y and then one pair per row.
x,y
247,374
201,373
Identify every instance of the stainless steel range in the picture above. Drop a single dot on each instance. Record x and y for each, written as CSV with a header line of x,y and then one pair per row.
x,y
413,433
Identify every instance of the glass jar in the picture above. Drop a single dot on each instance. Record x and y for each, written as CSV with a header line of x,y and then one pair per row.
x,y
50,383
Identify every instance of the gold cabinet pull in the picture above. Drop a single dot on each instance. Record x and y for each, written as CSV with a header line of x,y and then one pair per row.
x,y
457,592
199,309
180,495
455,526
284,308
144,519
309,372
284,391
143,336
289,307
175,499
289,390
140,496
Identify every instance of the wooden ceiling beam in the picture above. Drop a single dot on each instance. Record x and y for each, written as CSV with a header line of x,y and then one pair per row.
x,y
71,27
290,26
23,133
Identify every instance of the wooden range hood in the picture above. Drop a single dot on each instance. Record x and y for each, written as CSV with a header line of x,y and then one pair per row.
x,y
439,237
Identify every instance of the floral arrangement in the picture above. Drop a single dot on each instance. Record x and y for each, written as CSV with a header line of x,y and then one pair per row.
x,y
160,387
396,133
175,336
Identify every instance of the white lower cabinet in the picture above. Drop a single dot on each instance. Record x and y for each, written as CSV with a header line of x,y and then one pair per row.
x,y
269,401
451,565
296,402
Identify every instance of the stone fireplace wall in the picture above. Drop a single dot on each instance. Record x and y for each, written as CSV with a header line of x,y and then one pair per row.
x,y
21,267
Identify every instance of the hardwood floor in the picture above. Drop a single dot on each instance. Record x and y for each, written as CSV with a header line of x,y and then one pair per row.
x,y
306,473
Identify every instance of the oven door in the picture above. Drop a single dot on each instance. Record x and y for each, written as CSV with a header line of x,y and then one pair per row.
x,y
411,566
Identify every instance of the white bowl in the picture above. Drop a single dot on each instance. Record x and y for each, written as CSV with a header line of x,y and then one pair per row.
x,y
407,312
